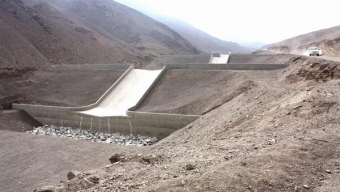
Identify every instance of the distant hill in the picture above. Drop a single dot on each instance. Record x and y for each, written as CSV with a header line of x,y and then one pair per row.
x,y
327,39
35,32
198,38
201,39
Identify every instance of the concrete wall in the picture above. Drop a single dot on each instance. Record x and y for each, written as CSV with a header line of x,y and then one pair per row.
x,y
178,59
149,89
249,59
228,66
150,124
91,67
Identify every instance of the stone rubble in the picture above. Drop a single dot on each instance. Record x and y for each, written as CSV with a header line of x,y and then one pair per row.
x,y
78,134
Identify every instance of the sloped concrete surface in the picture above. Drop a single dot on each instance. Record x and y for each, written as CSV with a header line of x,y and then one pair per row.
x,y
126,95
222,59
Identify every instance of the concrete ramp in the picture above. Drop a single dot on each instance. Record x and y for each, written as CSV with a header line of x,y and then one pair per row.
x,y
125,95
221,59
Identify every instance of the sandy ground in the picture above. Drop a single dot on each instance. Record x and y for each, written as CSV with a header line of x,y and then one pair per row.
x,y
16,120
36,161
126,95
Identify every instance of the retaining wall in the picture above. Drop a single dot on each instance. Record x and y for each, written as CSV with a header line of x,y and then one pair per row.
x,y
177,59
91,67
249,58
139,123
228,66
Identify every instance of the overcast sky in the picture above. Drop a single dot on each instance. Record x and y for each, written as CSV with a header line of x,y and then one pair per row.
x,y
265,21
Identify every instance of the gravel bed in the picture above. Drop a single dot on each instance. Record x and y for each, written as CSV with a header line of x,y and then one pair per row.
x,y
78,134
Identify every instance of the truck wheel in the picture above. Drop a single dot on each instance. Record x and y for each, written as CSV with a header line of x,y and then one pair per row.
x,y
310,55
318,55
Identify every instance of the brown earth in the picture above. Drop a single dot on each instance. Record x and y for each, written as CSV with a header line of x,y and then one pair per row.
x,y
276,135
55,87
28,161
327,39
18,121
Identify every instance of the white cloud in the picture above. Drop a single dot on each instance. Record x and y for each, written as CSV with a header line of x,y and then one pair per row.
x,y
250,20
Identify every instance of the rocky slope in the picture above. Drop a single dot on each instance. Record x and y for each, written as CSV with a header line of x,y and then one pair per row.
x,y
327,39
36,32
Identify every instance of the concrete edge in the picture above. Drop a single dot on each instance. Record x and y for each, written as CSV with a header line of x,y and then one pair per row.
x,y
109,90
149,89
90,66
211,57
228,66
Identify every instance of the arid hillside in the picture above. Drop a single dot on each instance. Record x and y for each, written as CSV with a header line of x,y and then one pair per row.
x,y
196,37
36,32
327,39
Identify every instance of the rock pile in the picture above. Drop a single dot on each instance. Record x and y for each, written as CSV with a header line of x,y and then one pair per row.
x,y
78,134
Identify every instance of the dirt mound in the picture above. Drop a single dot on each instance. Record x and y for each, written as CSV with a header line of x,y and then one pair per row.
x,y
313,69
19,121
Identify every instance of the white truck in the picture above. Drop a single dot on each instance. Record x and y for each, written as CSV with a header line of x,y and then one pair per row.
x,y
314,51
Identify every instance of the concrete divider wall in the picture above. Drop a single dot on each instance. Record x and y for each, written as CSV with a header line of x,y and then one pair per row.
x,y
91,66
211,58
139,123
149,89
228,66
249,58
178,59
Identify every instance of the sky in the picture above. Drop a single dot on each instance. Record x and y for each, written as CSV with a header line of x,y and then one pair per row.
x,y
266,21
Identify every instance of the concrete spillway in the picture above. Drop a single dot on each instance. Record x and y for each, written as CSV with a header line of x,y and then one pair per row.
x,y
115,110
126,95
222,59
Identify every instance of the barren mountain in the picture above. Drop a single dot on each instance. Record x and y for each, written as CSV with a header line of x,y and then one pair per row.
x,y
201,39
327,39
73,31
198,38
